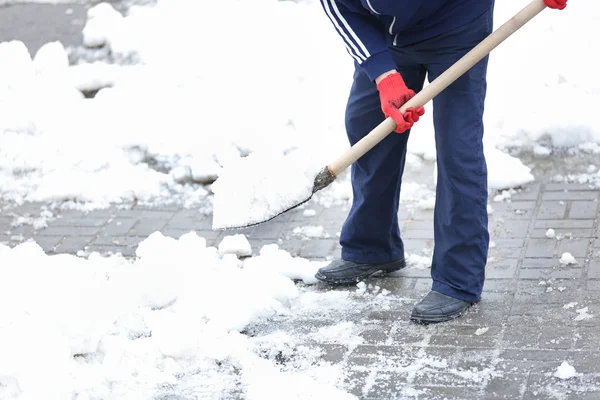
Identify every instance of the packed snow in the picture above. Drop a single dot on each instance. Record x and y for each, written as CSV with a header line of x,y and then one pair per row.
x,y
105,327
237,245
550,233
567,259
261,186
162,124
565,371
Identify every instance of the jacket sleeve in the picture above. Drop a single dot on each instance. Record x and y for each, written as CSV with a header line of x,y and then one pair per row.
x,y
363,35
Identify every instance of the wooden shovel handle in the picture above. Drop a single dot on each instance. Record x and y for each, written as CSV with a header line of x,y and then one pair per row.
x,y
439,84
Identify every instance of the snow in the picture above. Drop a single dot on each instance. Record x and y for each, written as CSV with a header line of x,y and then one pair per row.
x,y
235,244
309,213
310,232
583,314
107,327
165,105
417,261
481,331
567,259
565,371
260,186
550,233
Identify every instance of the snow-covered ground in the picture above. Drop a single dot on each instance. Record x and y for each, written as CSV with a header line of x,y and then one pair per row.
x,y
203,94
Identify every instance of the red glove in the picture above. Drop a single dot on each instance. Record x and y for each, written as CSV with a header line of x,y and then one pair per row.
x,y
393,93
560,4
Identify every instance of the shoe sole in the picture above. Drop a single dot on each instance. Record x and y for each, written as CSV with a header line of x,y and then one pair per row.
x,y
357,279
423,319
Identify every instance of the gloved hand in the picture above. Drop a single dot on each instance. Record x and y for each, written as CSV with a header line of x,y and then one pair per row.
x,y
393,93
560,4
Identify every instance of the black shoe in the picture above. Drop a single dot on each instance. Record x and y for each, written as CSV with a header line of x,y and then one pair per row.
x,y
343,272
437,307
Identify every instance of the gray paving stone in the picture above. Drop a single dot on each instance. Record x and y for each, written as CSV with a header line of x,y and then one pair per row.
x,y
129,241
594,269
270,230
147,226
570,195
561,187
506,386
553,273
577,247
147,213
48,243
573,232
500,271
118,226
70,231
515,229
126,251
320,248
583,210
83,221
529,193
539,263
564,224
552,210
540,248
73,244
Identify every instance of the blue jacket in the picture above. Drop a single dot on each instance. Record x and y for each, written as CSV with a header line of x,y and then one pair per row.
x,y
368,27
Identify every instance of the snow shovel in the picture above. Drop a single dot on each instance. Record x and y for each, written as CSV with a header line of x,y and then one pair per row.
x,y
329,173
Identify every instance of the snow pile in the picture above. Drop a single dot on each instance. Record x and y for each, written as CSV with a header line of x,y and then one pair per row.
x,y
565,371
235,244
261,186
418,261
310,232
170,320
567,259
176,112
583,314
550,233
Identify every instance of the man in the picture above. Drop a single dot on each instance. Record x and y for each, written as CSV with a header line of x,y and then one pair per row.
x,y
395,44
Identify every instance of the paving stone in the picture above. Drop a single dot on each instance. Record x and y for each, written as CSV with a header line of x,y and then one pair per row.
x,y
129,241
573,195
48,243
118,226
268,230
90,221
564,224
126,251
593,285
583,210
573,232
540,248
551,273
500,271
552,210
571,187
73,244
515,229
577,247
529,193
506,386
320,248
147,213
594,269
539,263
146,226
70,231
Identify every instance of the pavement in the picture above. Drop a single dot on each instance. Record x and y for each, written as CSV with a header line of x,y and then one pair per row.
x,y
535,312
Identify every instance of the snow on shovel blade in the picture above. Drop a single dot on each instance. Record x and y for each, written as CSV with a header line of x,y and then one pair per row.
x,y
259,187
